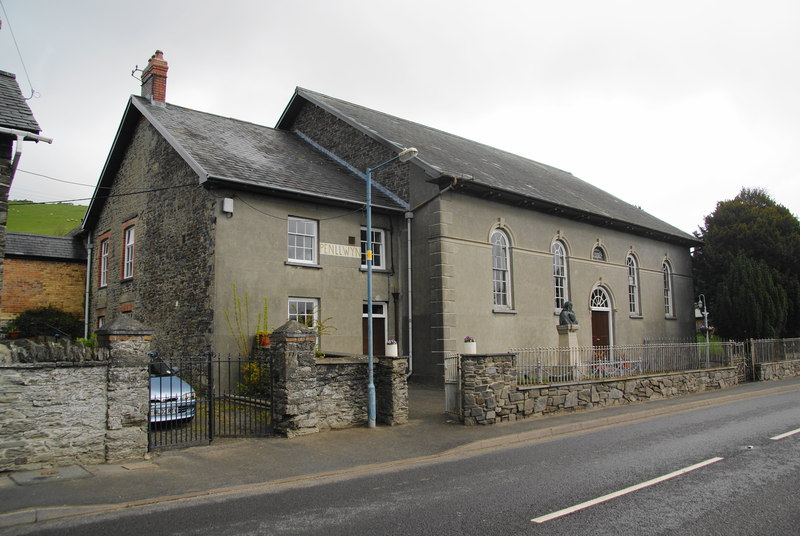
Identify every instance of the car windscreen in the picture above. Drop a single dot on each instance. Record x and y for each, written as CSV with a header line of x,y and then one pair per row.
x,y
159,368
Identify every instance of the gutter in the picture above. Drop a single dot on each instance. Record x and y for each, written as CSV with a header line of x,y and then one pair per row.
x,y
21,136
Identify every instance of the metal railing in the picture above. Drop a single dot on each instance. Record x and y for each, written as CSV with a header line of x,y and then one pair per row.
x,y
562,364
194,400
452,383
769,350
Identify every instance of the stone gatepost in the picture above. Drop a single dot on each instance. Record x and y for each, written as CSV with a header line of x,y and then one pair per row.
x,y
392,390
294,380
126,343
568,338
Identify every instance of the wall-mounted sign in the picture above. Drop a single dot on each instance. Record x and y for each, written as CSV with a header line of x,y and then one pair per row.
x,y
339,250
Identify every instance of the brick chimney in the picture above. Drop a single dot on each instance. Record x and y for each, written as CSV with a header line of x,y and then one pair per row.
x,y
154,78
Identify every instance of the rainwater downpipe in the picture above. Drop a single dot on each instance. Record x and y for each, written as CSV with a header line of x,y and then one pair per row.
x,y
89,247
409,217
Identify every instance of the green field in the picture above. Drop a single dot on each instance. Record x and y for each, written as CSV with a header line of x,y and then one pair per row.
x,y
56,219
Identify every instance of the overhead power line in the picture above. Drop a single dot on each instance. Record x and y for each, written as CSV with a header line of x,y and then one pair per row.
x,y
14,38
121,194
55,179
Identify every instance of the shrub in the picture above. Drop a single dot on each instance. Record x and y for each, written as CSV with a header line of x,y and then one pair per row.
x,y
255,379
48,321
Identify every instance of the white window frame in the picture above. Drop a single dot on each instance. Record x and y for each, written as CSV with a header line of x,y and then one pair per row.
x,y
104,262
501,269
669,307
378,248
560,274
634,301
129,252
302,240
299,310
600,300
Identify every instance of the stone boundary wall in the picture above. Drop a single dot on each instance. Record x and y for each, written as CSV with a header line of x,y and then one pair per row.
x,y
490,393
778,370
342,391
62,404
312,395
52,414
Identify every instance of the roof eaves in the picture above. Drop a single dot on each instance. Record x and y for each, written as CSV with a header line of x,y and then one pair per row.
x,y
556,209
247,185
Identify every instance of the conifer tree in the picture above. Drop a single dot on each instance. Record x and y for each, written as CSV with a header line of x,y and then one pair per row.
x,y
751,247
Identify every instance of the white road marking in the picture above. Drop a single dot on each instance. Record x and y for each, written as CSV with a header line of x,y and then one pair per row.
x,y
787,434
631,489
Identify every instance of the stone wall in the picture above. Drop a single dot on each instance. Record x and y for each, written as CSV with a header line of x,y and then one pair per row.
x,y
315,394
172,286
62,404
353,146
52,414
778,370
490,393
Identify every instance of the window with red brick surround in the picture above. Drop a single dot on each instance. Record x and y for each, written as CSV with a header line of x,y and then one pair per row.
x,y
102,259
128,250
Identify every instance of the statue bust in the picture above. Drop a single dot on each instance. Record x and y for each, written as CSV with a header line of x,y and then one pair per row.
x,y
567,315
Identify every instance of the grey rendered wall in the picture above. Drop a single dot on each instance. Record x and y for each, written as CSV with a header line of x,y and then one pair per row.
x,y
535,319
251,252
458,280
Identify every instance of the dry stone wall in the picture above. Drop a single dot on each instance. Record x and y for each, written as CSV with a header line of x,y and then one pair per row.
x,y
490,393
778,370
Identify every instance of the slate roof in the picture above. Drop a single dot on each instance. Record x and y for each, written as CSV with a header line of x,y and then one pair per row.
x,y
45,247
493,169
238,154
14,111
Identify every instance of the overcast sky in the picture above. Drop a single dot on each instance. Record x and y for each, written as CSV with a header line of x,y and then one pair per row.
x,y
671,106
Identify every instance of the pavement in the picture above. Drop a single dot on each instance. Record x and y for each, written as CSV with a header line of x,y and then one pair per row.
x,y
237,465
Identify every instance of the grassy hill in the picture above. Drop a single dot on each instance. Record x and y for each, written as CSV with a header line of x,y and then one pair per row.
x,y
56,220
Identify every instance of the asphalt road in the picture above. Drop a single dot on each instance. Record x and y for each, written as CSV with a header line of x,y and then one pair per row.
x,y
747,483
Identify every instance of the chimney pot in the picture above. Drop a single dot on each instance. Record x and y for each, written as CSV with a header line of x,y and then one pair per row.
x,y
154,78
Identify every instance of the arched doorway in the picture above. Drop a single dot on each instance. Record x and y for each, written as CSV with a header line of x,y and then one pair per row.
x,y
602,326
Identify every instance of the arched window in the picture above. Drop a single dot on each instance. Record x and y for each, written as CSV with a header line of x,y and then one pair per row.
x,y
633,285
560,274
599,254
668,306
501,270
599,300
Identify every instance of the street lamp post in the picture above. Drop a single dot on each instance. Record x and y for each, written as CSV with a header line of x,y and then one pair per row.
x,y
404,156
705,326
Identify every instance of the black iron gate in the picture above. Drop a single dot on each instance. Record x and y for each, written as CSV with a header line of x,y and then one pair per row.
x,y
196,400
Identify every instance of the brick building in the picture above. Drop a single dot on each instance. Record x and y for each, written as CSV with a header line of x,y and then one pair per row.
x,y
43,271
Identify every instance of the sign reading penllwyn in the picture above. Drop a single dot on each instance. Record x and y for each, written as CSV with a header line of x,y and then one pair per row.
x,y
339,250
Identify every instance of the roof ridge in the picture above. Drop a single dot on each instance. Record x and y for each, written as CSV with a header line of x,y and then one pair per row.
x,y
210,114
438,130
18,233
